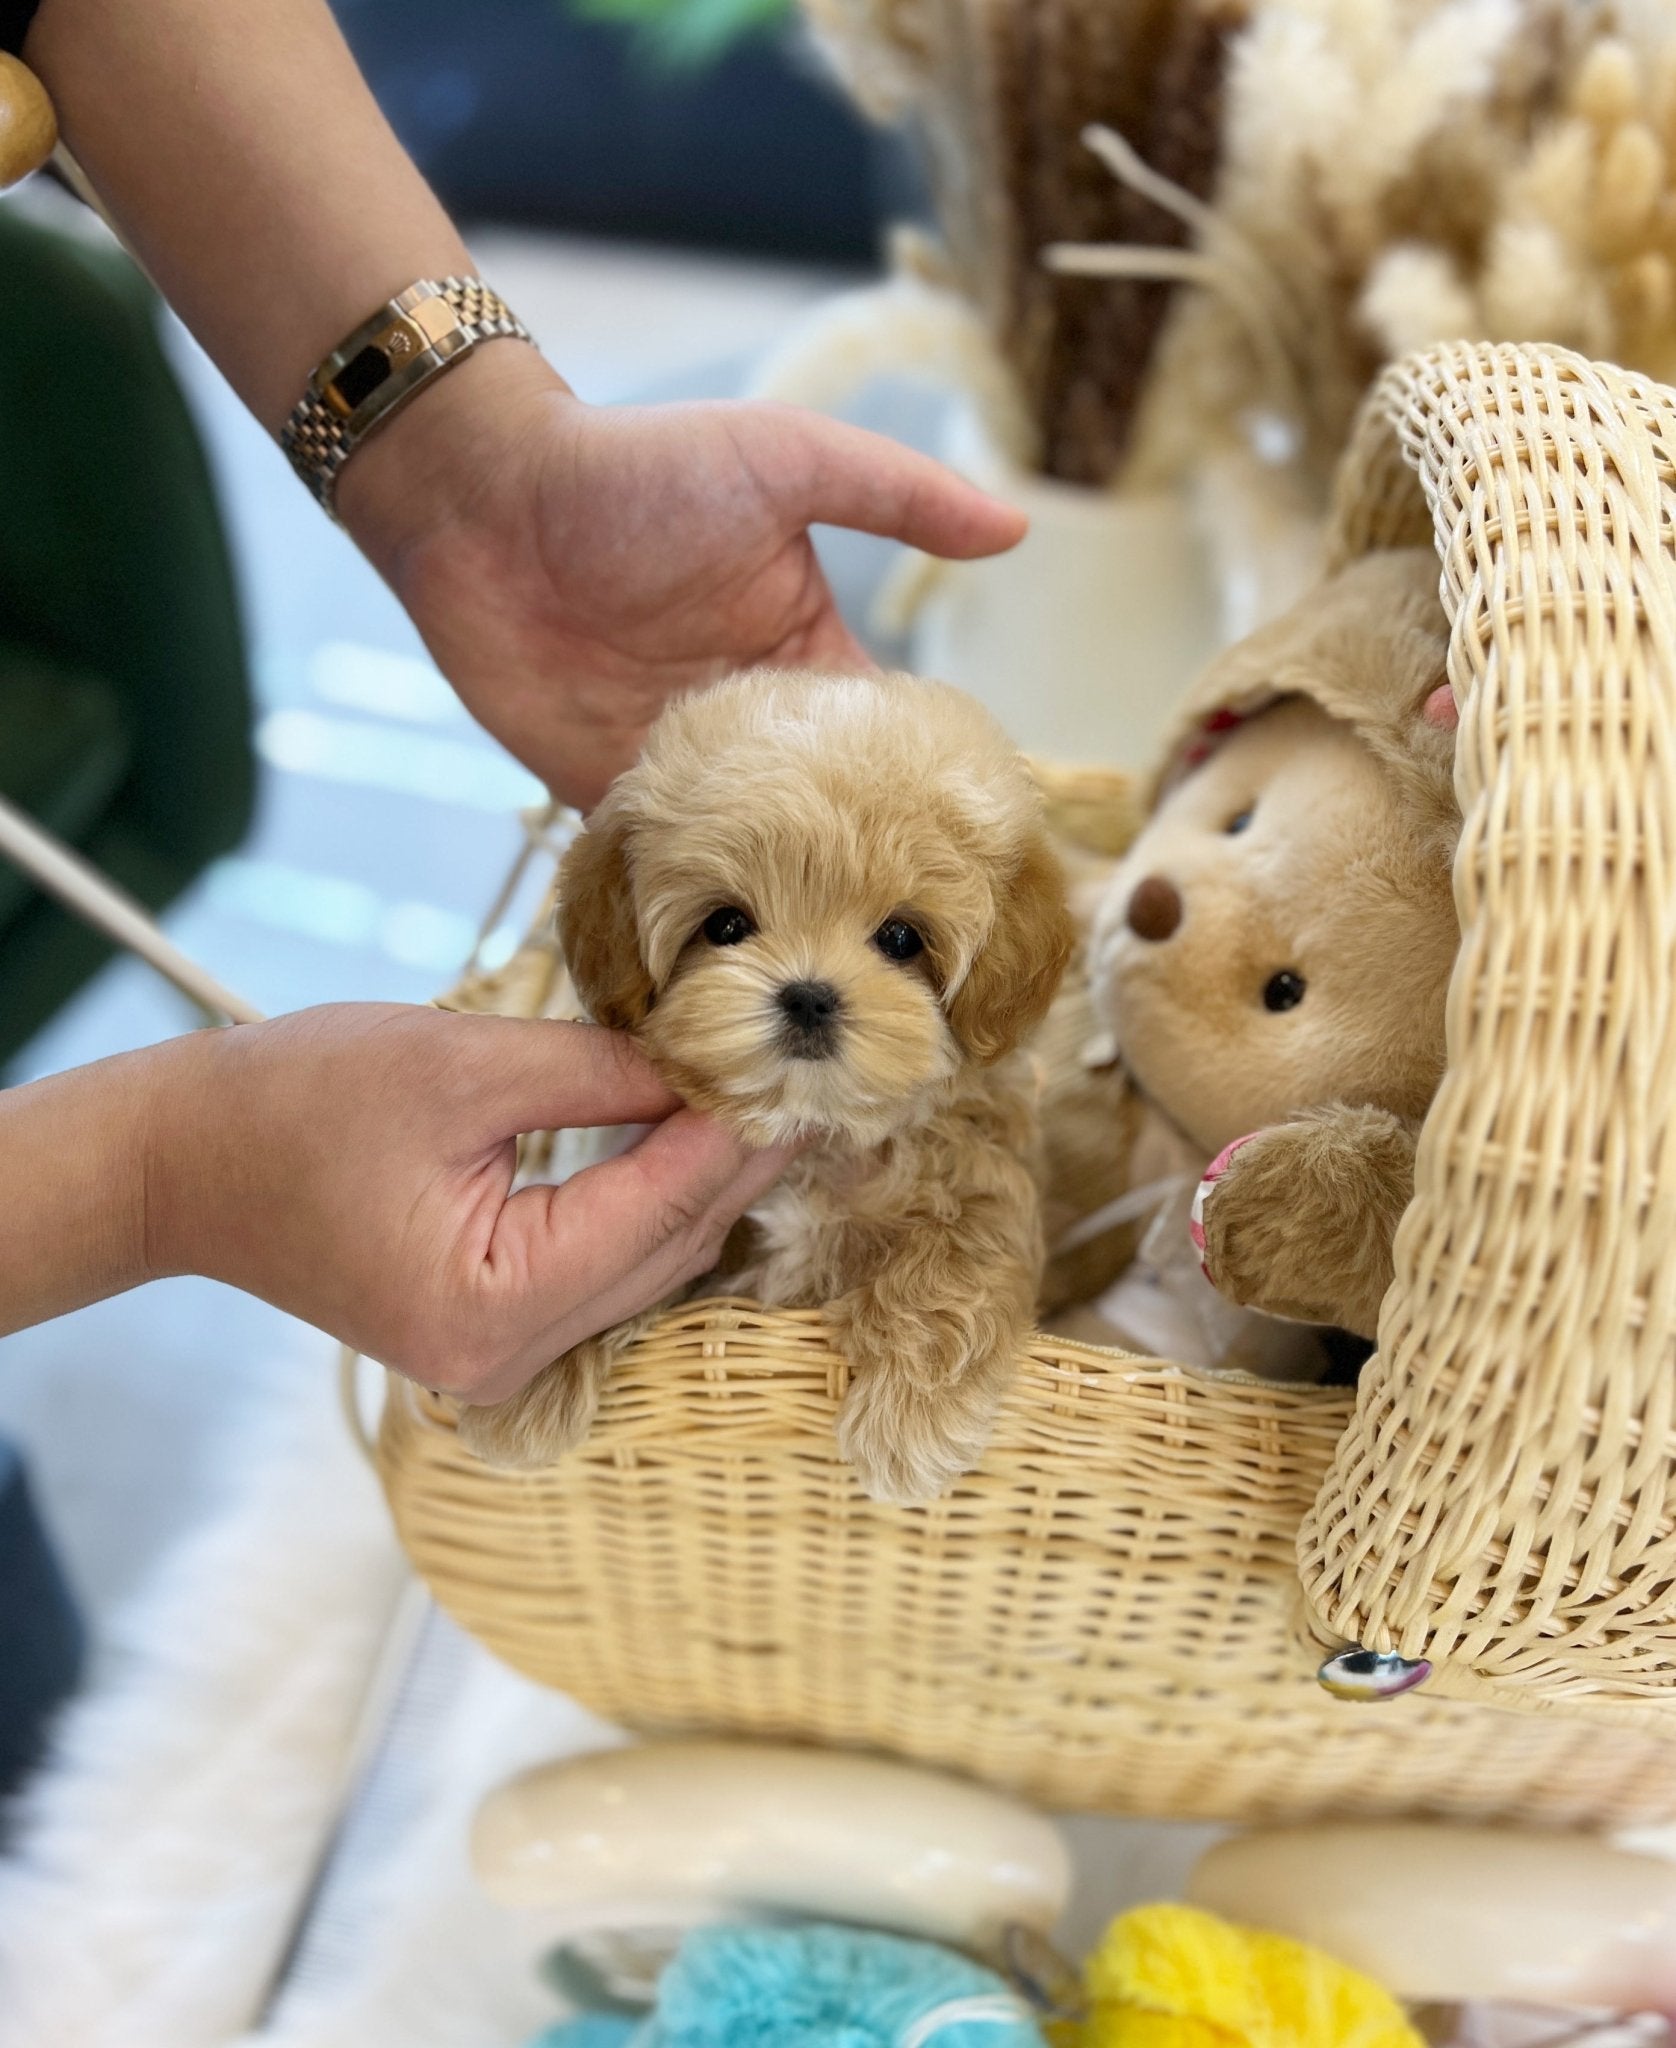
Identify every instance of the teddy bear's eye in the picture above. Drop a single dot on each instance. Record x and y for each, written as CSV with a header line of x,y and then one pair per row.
x,y
727,926
1283,991
1239,821
898,940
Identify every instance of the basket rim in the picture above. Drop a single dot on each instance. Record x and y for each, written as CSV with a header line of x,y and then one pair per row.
x,y
738,1315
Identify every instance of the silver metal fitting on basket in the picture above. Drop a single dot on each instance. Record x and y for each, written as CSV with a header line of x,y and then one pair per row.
x,y
1358,1674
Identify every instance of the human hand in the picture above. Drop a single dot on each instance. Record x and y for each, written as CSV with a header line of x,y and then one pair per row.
x,y
353,1165
573,566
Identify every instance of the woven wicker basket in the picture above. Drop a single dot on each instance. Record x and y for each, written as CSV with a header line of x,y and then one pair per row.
x,y
1108,1614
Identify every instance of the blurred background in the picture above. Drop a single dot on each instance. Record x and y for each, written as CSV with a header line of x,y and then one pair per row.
x,y
698,123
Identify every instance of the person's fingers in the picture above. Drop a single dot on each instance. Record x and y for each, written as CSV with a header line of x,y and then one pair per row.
x,y
543,1075
850,477
619,1236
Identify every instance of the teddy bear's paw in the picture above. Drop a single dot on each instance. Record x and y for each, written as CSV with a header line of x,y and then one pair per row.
x,y
1297,1221
909,1443
1202,1194
1243,1226
549,1417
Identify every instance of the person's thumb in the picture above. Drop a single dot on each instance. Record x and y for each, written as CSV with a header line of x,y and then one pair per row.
x,y
622,1235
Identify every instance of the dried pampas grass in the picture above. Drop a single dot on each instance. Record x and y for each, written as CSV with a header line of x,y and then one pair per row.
x,y
1413,171
1297,191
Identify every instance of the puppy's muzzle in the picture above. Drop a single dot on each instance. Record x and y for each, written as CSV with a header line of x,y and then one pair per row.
x,y
813,1011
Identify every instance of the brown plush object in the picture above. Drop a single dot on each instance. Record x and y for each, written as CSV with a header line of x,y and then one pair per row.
x,y
1272,954
828,909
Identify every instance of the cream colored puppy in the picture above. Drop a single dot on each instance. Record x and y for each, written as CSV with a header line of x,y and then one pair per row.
x,y
827,908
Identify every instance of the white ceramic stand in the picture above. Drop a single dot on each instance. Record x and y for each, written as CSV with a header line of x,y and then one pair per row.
x,y
1083,638
671,1834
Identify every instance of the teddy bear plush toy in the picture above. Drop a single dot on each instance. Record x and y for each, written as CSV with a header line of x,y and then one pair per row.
x,y
1271,956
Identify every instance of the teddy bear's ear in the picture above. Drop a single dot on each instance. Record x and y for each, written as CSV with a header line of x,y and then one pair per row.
x,y
1017,970
597,927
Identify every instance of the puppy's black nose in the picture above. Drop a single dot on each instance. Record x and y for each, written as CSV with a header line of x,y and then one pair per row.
x,y
1154,909
811,1009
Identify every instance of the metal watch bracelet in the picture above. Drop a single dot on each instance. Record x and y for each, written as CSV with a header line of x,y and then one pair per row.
x,y
374,372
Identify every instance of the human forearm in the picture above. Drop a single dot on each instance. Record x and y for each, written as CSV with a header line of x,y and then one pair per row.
x,y
240,152
74,1153
354,1166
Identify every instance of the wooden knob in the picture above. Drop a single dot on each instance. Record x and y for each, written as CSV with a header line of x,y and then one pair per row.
x,y
28,125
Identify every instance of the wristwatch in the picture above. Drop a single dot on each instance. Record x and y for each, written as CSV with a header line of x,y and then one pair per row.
x,y
378,368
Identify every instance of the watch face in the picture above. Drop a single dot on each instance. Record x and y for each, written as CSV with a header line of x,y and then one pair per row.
x,y
361,376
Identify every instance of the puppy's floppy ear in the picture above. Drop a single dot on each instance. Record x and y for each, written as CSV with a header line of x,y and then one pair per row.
x,y
1017,970
596,922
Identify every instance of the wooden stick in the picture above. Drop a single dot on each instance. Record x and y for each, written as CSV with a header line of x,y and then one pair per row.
x,y
80,887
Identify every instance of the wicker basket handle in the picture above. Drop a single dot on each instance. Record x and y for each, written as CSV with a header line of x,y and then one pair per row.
x,y
1503,1502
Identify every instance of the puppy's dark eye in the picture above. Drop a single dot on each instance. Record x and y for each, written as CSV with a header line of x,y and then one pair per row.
x,y
1238,822
1283,991
727,926
897,940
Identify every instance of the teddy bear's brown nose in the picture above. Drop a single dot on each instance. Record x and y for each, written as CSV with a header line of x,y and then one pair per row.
x,y
1154,909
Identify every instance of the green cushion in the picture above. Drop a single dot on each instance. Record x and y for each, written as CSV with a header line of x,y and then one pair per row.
x,y
64,753
45,954
124,695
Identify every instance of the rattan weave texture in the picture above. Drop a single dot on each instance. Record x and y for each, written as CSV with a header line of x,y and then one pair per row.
x,y
1505,1499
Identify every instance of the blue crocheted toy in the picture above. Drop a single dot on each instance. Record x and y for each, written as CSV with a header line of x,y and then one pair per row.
x,y
815,1987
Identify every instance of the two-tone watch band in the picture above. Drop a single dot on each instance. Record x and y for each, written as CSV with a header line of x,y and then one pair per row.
x,y
389,357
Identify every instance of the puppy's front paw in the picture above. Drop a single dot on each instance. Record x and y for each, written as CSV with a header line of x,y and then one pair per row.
x,y
921,1406
552,1414
906,1444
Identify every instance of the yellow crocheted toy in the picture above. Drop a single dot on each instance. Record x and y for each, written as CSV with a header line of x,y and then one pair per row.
x,y
1173,1977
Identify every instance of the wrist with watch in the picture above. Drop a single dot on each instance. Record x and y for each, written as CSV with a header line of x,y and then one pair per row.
x,y
372,373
